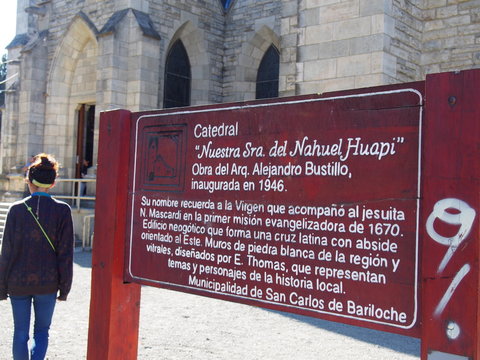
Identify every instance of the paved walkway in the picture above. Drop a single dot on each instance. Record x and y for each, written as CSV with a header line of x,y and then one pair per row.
x,y
181,326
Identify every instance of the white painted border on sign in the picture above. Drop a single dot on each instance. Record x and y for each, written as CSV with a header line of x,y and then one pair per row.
x,y
291,102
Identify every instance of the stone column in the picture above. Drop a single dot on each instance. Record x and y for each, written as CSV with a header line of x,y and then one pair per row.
x,y
31,121
344,45
291,36
128,63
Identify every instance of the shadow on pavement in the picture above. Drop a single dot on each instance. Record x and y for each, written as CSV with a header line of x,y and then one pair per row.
x,y
399,343
83,258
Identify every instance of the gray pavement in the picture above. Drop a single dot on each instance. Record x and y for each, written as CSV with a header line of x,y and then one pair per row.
x,y
175,325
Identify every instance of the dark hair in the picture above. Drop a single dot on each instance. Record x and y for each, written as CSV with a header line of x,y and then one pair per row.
x,y
43,170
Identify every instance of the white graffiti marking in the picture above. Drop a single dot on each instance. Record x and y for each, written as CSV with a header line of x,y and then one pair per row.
x,y
451,289
462,215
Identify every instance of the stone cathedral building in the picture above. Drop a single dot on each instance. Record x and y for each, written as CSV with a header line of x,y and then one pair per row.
x,y
72,59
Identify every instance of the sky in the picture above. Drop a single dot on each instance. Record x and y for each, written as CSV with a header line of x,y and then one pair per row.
x,y
8,15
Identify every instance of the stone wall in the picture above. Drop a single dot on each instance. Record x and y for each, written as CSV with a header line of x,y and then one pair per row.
x,y
104,53
404,28
451,36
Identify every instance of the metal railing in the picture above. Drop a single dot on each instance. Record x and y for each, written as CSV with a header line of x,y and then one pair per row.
x,y
76,191
77,186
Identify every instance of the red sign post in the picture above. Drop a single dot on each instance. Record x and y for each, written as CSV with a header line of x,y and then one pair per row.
x,y
327,206
450,205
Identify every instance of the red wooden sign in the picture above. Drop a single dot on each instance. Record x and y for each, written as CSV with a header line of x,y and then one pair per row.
x,y
359,207
308,205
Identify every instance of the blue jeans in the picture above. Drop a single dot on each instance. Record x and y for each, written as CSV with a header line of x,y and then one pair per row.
x,y
43,306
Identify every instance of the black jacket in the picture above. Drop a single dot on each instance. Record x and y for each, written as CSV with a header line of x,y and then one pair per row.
x,y
28,264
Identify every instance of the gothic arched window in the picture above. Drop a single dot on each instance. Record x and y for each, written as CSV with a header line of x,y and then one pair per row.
x,y
267,76
177,77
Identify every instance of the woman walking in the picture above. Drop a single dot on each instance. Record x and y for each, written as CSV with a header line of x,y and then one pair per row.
x,y
36,261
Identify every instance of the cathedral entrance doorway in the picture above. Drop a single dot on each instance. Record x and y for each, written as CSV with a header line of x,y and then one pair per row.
x,y
85,139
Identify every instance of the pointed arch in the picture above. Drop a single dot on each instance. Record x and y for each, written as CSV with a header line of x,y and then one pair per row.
x,y
193,40
178,77
268,74
80,32
250,57
71,81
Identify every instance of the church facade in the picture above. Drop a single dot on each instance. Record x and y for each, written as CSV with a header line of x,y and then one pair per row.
x,y
73,59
